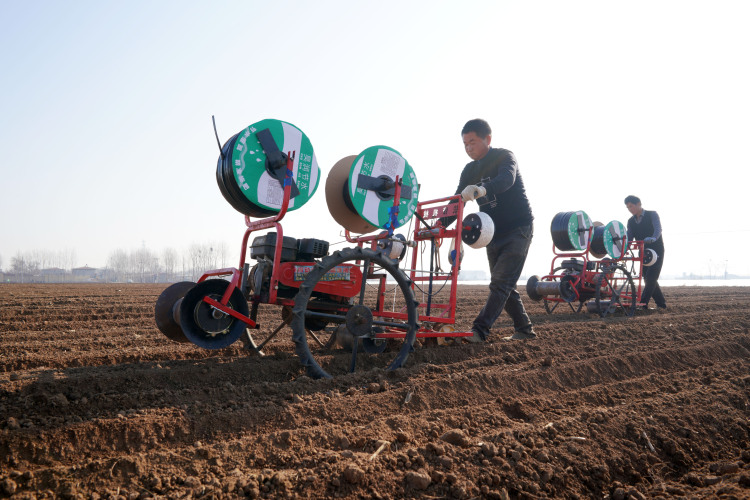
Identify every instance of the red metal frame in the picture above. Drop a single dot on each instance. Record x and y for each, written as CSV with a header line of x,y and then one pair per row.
x,y
285,273
431,210
236,273
586,280
427,210
634,254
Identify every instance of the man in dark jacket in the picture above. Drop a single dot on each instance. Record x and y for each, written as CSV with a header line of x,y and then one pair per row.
x,y
645,226
492,180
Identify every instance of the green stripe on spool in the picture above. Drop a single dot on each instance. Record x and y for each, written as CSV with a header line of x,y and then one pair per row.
x,y
249,165
379,161
579,224
615,238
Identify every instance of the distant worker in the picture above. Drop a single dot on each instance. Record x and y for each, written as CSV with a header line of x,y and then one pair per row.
x,y
645,226
492,180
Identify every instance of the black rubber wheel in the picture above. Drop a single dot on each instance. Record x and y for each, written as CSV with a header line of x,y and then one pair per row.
x,y
167,310
359,320
207,327
615,292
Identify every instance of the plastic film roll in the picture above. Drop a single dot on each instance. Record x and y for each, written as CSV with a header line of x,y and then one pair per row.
x,y
337,184
597,241
360,190
253,165
478,230
650,257
571,230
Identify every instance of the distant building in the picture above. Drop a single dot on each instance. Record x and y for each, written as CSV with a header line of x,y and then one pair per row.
x,y
84,273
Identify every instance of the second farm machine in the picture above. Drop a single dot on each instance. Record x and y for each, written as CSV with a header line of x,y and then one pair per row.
x,y
594,265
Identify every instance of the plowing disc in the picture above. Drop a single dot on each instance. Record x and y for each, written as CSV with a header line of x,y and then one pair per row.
x,y
167,310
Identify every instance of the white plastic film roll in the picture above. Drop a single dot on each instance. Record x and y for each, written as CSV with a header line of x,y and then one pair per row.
x,y
478,230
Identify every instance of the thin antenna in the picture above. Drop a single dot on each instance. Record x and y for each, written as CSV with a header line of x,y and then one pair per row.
x,y
217,137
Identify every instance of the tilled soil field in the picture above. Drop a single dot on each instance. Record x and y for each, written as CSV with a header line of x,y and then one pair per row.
x,y
96,403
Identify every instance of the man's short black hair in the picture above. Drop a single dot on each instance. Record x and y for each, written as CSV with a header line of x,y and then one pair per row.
x,y
478,126
632,199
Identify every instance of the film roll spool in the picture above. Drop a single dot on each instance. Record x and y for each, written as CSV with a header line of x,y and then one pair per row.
x,y
571,230
478,230
252,167
394,248
597,241
228,186
398,248
360,190
615,239
650,257
337,185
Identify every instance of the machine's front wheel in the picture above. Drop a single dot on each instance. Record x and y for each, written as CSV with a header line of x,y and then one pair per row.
x,y
206,326
361,321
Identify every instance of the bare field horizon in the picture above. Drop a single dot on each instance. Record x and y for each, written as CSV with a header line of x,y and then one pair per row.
x,y
96,403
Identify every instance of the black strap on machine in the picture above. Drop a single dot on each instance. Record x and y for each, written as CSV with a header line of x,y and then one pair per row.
x,y
275,159
384,186
612,232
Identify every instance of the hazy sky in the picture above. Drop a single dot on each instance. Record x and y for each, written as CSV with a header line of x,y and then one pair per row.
x,y
105,127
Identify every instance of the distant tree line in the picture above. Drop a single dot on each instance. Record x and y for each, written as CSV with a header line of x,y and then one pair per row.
x,y
24,266
141,265
145,266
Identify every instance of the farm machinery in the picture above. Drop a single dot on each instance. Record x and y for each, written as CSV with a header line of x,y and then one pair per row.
x,y
357,306
593,265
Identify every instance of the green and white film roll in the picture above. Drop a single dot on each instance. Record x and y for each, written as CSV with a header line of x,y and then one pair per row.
x,y
249,165
382,162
